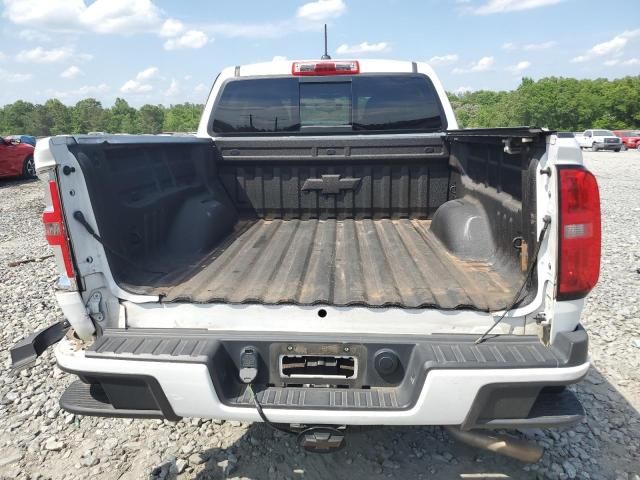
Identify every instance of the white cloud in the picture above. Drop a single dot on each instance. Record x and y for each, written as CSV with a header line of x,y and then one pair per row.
x,y
622,63
482,65
615,46
510,46
612,46
171,28
279,58
134,86
49,14
250,30
201,88
102,16
462,90
309,17
190,39
140,83
188,77
122,16
519,67
93,89
147,74
33,36
261,30
82,92
502,6
41,55
13,77
173,89
71,72
321,10
364,47
447,59
2,56
539,46
144,16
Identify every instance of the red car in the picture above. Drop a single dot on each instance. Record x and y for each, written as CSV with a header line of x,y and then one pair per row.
x,y
630,138
16,159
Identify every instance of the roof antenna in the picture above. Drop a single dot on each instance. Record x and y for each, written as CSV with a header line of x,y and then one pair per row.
x,y
326,55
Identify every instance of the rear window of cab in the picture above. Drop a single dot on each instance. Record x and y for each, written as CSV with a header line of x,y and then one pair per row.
x,y
312,105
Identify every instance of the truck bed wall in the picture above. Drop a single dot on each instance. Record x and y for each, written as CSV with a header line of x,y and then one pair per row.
x,y
407,189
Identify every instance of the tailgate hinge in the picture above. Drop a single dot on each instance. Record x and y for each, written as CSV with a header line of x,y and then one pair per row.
x,y
93,307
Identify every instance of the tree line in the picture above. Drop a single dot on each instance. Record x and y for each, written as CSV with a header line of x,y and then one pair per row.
x,y
553,102
88,115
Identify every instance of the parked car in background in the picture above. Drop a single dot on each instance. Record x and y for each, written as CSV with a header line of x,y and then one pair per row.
x,y
599,140
30,139
566,135
16,159
630,138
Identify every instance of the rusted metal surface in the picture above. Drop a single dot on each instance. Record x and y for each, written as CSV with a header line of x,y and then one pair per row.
x,y
343,262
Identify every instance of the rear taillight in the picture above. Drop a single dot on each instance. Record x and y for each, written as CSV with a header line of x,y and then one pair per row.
x,y
325,68
579,233
54,229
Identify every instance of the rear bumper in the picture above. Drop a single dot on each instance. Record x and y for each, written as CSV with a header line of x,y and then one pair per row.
x,y
433,392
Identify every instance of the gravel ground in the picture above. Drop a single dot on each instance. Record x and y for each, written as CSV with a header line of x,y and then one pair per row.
x,y
38,440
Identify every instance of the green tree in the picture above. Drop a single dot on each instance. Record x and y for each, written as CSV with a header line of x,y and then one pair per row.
x,y
38,123
555,102
17,118
122,118
59,117
88,115
150,119
182,118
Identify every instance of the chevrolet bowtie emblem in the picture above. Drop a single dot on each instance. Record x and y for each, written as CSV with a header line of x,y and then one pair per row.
x,y
330,184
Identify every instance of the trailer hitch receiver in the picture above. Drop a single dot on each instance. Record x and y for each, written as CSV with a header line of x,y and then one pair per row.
x,y
321,439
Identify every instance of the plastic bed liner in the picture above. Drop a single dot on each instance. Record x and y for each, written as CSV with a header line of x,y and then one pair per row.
x,y
367,262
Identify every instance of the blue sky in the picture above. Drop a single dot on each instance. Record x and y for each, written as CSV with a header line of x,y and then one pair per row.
x,y
159,51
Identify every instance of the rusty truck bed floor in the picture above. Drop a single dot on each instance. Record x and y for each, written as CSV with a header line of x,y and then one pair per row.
x,y
343,262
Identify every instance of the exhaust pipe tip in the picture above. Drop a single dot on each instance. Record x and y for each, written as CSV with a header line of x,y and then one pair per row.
x,y
501,444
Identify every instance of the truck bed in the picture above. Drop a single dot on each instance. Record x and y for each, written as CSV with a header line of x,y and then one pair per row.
x,y
438,229
342,262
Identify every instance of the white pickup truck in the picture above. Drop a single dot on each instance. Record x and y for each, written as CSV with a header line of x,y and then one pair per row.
x,y
599,140
330,251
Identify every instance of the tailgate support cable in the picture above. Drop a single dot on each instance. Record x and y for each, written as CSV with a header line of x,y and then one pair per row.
x,y
527,279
